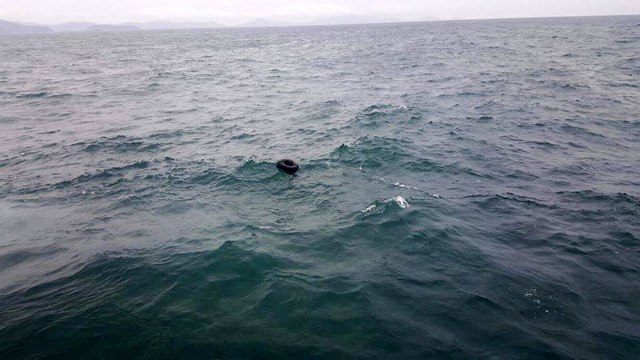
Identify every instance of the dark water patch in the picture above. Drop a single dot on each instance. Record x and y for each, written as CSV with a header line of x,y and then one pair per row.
x,y
569,87
42,94
576,145
103,290
169,134
483,119
523,175
209,176
546,145
12,258
462,94
136,165
243,136
488,105
601,208
376,151
429,166
181,111
251,167
34,95
578,130
496,203
626,239
121,146
589,196
582,170
85,178
627,41
624,85
103,175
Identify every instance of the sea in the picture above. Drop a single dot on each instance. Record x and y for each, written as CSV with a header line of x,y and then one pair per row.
x,y
467,190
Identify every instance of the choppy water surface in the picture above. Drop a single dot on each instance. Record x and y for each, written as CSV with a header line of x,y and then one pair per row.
x,y
468,190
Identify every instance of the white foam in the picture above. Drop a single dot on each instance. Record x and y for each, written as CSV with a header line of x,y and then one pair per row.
x,y
369,209
405,186
402,202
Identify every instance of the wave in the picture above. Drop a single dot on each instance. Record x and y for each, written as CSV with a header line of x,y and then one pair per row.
x,y
498,201
242,291
376,115
624,85
119,144
380,206
578,130
101,175
375,151
42,94
22,256
591,196
39,94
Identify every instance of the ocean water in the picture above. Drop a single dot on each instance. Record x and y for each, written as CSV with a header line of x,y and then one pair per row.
x,y
467,190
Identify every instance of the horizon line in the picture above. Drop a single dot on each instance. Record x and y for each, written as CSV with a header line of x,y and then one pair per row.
x,y
302,24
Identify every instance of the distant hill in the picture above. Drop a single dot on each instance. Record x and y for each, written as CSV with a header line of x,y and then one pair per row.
x,y
355,19
171,25
153,25
266,23
14,28
340,20
109,28
72,26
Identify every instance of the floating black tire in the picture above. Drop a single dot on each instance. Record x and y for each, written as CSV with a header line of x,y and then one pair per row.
x,y
288,166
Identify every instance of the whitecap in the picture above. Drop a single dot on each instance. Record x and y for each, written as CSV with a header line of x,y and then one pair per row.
x,y
402,202
401,185
369,209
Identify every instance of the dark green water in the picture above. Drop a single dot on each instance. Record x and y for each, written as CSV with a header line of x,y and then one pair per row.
x,y
467,190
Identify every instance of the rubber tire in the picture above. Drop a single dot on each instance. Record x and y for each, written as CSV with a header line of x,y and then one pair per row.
x,y
288,166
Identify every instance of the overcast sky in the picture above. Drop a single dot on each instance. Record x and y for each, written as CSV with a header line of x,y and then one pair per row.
x,y
236,11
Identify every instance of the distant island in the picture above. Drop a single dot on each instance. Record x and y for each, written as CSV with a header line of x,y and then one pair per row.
x,y
265,23
72,26
7,27
175,25
130,26
107,27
